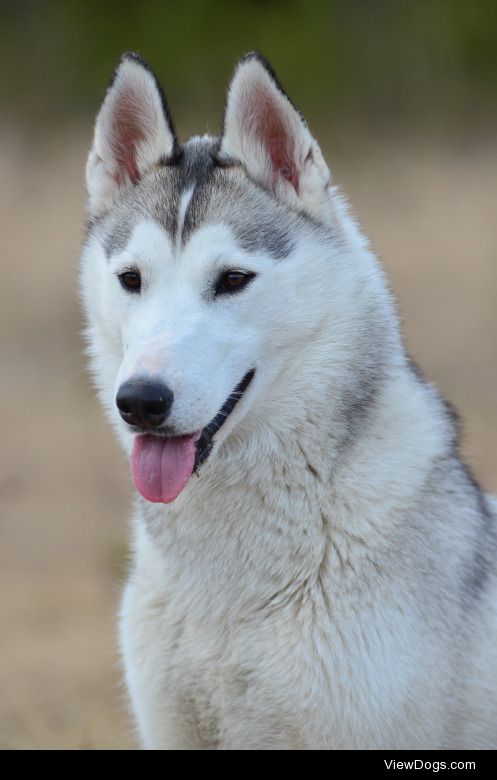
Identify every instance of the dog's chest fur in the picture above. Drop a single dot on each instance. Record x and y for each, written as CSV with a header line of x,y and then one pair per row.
x,y
253,611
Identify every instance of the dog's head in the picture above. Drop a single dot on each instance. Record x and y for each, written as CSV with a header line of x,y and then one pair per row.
x,y
196,262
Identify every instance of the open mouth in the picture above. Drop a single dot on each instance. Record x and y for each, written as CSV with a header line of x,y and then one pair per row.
x,y
162,465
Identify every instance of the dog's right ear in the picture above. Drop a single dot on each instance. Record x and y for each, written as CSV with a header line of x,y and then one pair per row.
x,y
133,132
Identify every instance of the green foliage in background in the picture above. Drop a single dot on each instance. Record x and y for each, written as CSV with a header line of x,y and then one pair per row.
x,y
379,60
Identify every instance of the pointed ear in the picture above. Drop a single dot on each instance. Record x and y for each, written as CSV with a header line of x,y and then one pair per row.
x,y
133,131
264,131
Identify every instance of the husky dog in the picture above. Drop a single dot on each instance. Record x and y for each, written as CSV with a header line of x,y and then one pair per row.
x,y
313,565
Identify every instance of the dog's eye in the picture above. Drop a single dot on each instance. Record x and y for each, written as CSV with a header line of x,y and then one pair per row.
x,y
233,281
131,281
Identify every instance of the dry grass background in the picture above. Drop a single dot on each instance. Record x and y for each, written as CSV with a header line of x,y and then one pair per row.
x,y
65,495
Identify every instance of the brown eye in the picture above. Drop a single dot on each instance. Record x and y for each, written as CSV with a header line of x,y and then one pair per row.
x,y
233,281
131,281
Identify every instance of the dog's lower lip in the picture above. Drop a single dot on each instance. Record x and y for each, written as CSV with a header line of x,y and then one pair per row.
x,y
204,444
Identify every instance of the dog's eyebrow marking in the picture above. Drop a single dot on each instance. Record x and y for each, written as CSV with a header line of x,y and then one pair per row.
x,y
185,199
118,237
276,241
197,190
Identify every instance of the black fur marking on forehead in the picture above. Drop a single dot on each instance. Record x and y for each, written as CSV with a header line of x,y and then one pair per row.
x,y
194,168
199,161
220,194
217,197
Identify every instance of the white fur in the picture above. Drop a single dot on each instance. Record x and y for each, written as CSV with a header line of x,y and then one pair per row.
x,y
302,592
182,209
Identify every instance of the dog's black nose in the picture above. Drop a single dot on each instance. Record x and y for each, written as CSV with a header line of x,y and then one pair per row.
x,y
145,404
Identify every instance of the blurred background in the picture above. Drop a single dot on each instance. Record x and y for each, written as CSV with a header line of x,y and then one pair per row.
x,y
403,98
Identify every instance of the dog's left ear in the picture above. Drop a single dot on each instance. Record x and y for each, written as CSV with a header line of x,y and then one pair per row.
x,y
264,131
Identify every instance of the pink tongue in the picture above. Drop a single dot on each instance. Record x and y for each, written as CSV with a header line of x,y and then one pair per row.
x,y
162,466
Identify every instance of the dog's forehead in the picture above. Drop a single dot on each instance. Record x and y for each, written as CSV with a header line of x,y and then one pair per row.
x,y
197,190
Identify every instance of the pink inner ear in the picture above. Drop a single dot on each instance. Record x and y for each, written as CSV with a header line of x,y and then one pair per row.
x,y
283,164
126,132
274,134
